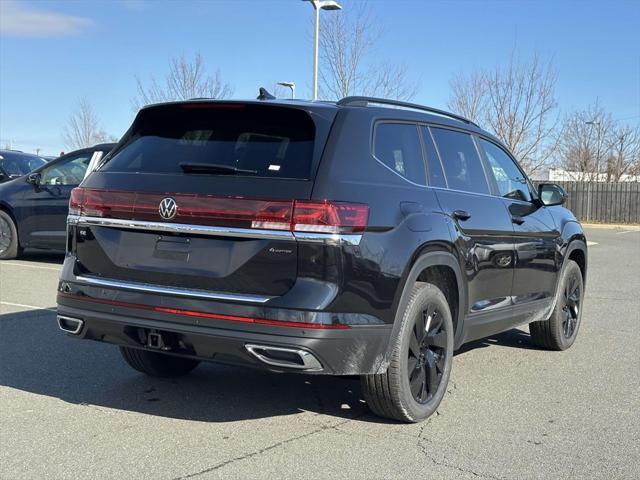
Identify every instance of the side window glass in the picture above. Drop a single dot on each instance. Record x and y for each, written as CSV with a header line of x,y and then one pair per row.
x,y
397,146
434,167
68,172
510,180
462,166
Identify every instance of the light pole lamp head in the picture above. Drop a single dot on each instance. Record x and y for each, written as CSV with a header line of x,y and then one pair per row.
x,y
291,85
324,4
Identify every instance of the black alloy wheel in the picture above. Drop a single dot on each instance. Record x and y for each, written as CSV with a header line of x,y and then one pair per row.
x,y
571,309
560,330
426,354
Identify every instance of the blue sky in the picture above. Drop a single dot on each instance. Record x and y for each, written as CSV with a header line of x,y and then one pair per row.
x,y
54,52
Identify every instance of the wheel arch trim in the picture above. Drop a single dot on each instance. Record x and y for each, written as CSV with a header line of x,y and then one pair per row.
x,y
573,245
438,258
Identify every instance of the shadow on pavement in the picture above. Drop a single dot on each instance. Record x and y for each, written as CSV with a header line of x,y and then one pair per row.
x,y
511,338
42,256
36,357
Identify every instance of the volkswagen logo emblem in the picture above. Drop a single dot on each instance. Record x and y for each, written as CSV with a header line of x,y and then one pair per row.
x,y
168,208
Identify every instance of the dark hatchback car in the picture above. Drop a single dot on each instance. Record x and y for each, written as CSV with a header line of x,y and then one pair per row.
x,y
14,164
344,238
34,207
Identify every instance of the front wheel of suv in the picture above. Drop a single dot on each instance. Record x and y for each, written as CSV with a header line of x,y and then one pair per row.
x,y
561,329
157,364
413,386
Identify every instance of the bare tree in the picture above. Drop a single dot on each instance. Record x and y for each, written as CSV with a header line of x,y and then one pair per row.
x,y
347,47
624,152
584,141
469,95
185,79
82,128
516,102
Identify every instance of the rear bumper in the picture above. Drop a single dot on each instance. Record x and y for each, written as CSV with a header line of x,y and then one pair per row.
x,y
353,351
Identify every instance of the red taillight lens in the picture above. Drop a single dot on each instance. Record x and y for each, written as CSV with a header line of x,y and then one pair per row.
x,y
108,204
296,216
75,201
274,216
329,217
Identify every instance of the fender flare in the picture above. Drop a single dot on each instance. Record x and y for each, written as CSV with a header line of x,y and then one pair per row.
x,y
575,243
573,238
428,259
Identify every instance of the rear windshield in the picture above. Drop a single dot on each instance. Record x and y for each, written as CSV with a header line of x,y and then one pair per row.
x,y
263,141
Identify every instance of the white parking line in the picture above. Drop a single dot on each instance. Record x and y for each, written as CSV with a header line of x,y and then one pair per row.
x,y
625,231
29,307
589,244
28,265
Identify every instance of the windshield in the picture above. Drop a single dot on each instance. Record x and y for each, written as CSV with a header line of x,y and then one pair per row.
x,y
263,141
16,165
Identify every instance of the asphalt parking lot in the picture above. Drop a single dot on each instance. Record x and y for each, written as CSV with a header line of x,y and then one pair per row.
x,y
72,409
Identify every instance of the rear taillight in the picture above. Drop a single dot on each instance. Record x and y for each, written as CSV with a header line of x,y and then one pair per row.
x,y
329,217
76,200
292,215
273,216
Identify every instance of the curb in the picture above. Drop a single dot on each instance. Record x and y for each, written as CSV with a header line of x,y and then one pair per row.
x,y
612,226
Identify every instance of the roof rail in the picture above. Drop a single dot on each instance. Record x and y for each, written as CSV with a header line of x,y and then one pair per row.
x,y
365,101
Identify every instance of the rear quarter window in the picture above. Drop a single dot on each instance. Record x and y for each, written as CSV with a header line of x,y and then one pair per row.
x,y
262,141
397,146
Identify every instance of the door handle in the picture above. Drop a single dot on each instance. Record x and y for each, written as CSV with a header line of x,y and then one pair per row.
x,y
517,219
461,215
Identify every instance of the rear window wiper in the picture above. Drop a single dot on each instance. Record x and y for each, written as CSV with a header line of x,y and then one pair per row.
x,y
214,169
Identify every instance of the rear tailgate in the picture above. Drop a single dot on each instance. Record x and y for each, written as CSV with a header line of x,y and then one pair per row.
x,y
143,218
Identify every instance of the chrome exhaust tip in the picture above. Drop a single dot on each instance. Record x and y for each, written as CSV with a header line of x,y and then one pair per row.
x,y
285,357
70,325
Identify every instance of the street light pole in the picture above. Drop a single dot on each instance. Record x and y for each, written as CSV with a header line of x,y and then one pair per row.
x,y
316,34
317,6
592,123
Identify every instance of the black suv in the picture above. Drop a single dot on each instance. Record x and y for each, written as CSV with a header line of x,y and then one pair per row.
x,y
344,238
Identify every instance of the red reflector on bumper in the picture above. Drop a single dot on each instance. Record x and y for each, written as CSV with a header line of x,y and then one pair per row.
x,y
216,316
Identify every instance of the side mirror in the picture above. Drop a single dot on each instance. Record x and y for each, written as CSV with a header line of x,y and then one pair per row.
x,y
551,194
34,179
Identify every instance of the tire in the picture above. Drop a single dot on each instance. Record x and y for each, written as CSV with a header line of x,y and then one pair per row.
x,y
157,364
9,245
392,394
561,329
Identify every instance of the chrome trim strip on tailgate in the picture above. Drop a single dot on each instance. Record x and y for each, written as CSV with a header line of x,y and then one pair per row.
x,y
181,228
176,291
318,237
329,238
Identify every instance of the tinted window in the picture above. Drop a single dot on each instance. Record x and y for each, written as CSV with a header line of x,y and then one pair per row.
x,y
434,167
16,164
262,141
460,159
509,179
397,145
67,172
